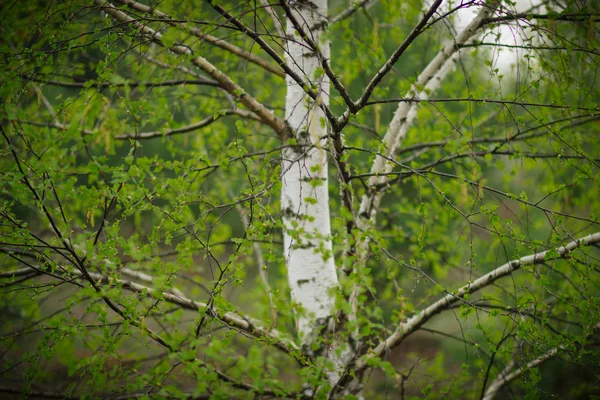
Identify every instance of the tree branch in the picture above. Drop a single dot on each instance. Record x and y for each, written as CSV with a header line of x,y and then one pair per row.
x,y
417,30
278,124
413,324
351,10
192,127
153,134
510,373
530,47
258,254
206,37
276,21
573,17
44,395
306,86
427,82
402,175
237,321
483,101
81,85
339,86
520,135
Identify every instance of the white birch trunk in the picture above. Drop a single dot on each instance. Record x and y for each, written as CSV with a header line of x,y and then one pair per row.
x,y
304,196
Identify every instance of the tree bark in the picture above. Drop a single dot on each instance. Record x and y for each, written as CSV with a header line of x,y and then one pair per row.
x,y
304,195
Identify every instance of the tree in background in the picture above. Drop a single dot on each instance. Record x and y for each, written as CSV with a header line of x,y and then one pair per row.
x,y
299,199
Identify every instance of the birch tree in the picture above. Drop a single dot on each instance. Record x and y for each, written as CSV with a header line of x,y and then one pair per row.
x,y
302,199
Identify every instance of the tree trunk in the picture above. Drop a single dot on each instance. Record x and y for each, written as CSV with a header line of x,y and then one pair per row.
x,y
304,195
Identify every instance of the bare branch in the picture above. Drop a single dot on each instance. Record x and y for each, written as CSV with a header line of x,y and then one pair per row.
x,y
520,135
573,17
400,176
530,47
484,101
153,134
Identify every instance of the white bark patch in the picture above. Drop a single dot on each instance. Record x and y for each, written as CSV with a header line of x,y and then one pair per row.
x,y
304,195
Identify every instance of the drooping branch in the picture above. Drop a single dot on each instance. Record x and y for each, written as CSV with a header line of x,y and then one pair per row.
x,y
413,324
